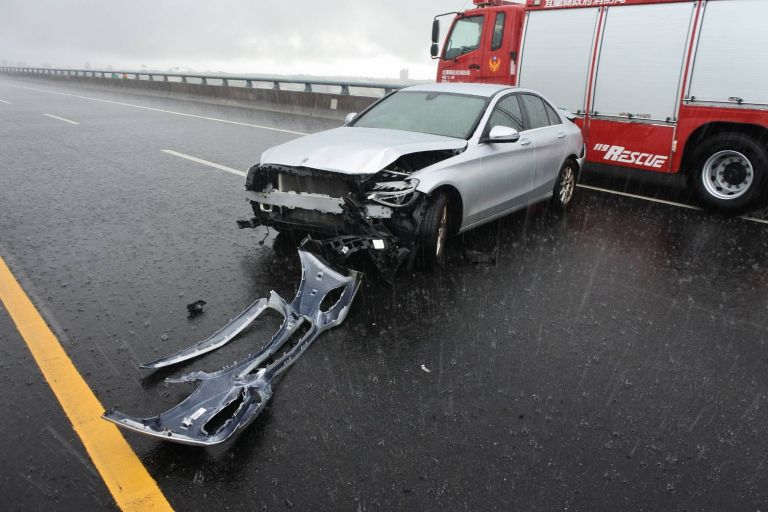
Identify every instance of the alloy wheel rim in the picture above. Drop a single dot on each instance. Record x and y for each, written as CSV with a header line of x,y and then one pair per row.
x,y
567,185
727,175
442,232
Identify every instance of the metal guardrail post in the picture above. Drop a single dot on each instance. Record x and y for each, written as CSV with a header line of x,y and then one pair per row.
x,y
249,84
276,86
184,79
224,82
345,90
307,87
203,81
165,78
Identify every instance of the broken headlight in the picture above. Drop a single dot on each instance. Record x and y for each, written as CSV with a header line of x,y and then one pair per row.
x,y
396,193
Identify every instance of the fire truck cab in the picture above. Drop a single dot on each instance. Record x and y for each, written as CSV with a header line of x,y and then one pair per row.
x,y
660,85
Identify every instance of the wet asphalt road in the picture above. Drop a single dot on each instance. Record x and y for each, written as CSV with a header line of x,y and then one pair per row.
x,y
612,359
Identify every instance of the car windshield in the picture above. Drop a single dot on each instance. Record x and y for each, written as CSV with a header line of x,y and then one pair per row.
x,y
447,114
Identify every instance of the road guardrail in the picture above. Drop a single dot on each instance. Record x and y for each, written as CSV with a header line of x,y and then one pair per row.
x,y
223,80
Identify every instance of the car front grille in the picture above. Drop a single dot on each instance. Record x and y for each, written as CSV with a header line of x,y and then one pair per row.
x,y
326,184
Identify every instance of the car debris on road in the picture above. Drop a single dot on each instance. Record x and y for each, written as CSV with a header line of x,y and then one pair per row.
x,y
196,308
228,400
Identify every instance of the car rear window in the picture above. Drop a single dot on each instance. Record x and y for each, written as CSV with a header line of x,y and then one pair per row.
x,y
537,114
447,114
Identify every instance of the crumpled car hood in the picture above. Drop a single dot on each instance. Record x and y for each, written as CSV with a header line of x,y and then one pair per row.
x,y
351,150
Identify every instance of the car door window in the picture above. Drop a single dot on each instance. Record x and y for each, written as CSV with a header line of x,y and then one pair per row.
x,y
553,117
507,113
535,110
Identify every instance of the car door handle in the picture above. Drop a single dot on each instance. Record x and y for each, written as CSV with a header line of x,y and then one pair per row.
x,y
525,142
474,66
561,135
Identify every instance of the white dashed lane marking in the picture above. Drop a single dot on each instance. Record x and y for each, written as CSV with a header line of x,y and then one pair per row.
x,y
205,162
61,119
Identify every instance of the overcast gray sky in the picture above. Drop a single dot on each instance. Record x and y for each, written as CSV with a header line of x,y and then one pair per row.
x,y
367,38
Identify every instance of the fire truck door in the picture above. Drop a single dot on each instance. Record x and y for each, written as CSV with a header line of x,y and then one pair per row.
x,y
463,52
496,60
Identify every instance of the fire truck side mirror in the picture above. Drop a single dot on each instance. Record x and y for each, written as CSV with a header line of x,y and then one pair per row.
x,y
434,49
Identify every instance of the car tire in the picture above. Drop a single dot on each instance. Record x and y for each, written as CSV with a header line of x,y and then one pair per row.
x,y
565,186
434,230
729,172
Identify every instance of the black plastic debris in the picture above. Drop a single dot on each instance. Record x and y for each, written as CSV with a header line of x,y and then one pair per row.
x,y
481,257
196,308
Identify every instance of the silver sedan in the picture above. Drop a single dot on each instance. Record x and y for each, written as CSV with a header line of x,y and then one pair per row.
x,y
423,163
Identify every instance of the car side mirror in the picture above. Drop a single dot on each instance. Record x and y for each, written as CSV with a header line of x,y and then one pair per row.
x,y
433,50
350,117
503,134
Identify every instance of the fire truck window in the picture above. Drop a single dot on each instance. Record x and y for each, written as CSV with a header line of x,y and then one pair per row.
x,y
537,113
465,36
552,115
498,31
507,113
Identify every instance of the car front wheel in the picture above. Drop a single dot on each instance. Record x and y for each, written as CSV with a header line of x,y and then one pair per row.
x,y
434,230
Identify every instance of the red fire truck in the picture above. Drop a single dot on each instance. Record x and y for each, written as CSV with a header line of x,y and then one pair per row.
x,y
662,85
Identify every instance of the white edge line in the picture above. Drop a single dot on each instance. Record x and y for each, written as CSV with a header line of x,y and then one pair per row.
x,y
6,102
237,123
205,162
61,119
670,203
644,198
753,219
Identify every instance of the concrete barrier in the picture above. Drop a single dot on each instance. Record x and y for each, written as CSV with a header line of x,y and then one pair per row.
x,y
315,104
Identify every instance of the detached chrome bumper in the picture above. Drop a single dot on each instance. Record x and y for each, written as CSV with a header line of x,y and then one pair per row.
x,y
316,202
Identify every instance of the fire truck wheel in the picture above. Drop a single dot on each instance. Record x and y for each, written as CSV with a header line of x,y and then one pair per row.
x,y
434,230
565,186
729,171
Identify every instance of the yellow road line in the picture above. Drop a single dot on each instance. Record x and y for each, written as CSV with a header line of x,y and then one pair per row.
x,y
126,477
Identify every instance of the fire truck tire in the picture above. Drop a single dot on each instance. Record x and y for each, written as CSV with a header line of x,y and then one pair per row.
x,y
565,186
434,230
729,171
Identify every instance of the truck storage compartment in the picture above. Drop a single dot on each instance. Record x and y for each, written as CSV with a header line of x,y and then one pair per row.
x,y
559,43
642,56
730,62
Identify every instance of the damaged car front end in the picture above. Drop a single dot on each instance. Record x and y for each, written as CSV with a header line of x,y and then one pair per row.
x,y
311,197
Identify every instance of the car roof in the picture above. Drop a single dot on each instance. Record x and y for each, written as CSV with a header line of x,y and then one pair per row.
x,y
474,89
